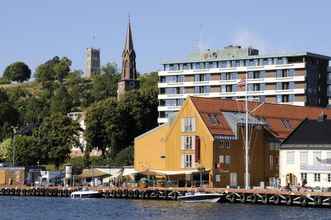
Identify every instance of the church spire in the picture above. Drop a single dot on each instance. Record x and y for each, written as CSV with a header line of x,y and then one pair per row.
x,y
129,73
128,39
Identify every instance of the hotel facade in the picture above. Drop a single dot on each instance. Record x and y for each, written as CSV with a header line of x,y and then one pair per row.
x,y
298,78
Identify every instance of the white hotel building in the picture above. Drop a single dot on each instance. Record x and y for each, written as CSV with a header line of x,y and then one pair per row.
x,y
296,78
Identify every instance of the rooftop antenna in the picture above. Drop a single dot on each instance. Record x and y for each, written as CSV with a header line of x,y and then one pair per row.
x,y
94,36
198,44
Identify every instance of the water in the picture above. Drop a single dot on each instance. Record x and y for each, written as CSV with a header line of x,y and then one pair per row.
x,y
97,209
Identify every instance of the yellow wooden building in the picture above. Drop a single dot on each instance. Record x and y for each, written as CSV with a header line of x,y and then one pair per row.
x,y
207,135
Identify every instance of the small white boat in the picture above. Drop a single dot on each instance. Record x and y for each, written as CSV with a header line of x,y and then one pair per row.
x,y
200,197
85,193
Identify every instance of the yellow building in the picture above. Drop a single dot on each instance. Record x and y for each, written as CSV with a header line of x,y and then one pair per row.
x,y
207,135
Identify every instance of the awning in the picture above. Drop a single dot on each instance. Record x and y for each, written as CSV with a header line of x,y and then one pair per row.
x,y
178,172
91,173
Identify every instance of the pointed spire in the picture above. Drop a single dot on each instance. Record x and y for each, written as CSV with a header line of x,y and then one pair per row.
x,y
128,39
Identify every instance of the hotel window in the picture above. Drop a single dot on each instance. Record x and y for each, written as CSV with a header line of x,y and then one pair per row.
x,y
228,76
303,177
171,79
186,66
317,177
316,157
211,65
256,75
180,78
179,102
228,88
256,87
265,62
285,98
279,73
187,142
290,157
227,159
234,76
170,91
329,177
222,64
166,67
170,102
173,67
285,86
304,158
199,77
187,160
188,124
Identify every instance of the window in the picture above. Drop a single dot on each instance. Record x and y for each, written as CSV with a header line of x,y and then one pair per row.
x,y
227,159
188,124
221,159
285,98
316,157
256,75
212,119
290,157
218,178
303,158
187,160
286,123
225,144
187,142
303,177
285,86
271,161
329,177
317,177
228,88
256,87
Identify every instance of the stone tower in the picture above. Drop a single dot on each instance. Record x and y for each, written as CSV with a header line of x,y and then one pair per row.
x,y
129,73
92,62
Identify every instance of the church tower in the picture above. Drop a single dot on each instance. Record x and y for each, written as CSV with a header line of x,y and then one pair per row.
x,y
128,79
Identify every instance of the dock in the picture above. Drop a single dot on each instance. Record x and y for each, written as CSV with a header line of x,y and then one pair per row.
x,y
251,196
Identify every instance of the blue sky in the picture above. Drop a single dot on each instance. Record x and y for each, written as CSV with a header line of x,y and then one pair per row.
x,y
34,31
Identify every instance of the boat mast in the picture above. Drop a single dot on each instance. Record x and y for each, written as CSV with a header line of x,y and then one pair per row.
x,y
246,136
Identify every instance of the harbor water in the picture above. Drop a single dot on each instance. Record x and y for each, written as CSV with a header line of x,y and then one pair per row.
x,y
65,208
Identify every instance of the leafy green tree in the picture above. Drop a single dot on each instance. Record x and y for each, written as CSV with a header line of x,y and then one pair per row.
x,y
9,115
4,150
104,85
96,133
27,153
18,72
57,135
61,101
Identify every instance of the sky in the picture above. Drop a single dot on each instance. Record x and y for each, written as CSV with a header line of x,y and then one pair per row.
x,y
37,30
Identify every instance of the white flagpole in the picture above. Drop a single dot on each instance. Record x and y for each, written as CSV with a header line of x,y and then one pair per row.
x,y
246,136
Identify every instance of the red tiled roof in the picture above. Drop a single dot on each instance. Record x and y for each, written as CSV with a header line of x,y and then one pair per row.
x,y
273,114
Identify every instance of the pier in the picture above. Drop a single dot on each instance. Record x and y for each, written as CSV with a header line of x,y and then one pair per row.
x,y
253,196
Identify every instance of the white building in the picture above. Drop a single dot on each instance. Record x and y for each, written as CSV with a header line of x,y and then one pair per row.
x,y
306,155
294,78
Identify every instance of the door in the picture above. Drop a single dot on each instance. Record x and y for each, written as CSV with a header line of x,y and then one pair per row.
x,y
233,179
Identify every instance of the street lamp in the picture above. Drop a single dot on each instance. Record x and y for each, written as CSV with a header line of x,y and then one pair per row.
x,y
13,146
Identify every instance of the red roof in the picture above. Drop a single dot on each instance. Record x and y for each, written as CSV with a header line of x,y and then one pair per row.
x,y
280,118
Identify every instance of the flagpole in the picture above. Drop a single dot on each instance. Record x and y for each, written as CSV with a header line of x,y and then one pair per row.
x,y
246,136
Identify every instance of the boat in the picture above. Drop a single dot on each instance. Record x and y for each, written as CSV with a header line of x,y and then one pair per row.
x,y
86,193
200,197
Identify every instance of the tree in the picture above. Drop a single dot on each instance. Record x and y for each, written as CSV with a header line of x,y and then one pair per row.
x,y
105,84
27,153
9,115
4,150
18,72
61,101
57,135
96,133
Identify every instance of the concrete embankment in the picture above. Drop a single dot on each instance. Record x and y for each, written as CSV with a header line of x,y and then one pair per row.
x,y
262,196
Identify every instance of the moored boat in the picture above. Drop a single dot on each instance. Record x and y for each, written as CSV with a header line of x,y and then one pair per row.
x,y
85,193
200,197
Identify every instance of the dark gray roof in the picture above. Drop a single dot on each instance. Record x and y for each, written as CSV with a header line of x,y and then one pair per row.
x,y
310,132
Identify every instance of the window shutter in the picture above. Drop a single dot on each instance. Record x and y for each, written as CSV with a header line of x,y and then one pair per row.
x,y
193,142
183,124
182,142
193,124
182,161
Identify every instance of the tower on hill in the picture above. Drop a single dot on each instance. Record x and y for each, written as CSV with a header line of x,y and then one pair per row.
x,y
129,73
92,62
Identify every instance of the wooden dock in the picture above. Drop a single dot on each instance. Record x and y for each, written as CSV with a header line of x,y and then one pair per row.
x,y
253,196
